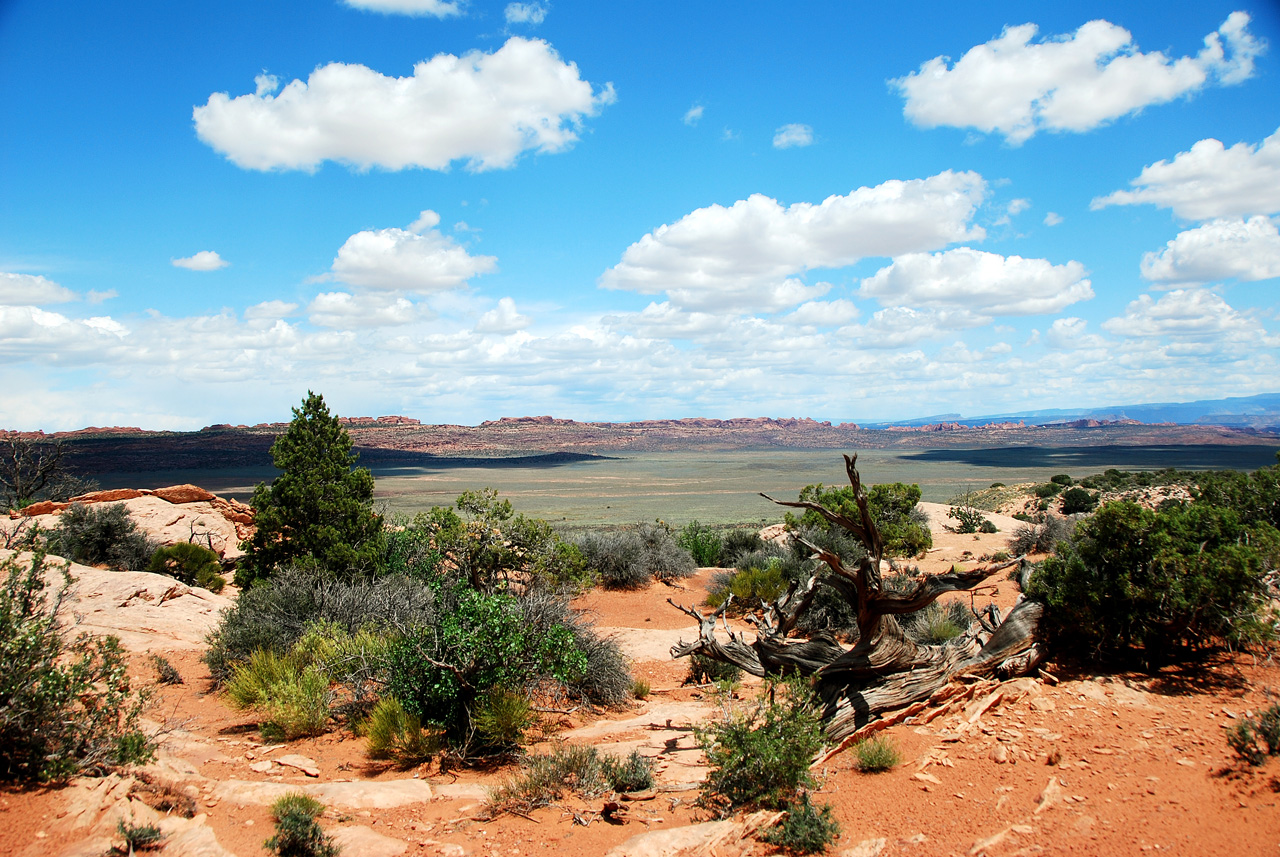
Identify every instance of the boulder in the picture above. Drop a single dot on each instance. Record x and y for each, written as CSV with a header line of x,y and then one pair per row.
x,y
178,494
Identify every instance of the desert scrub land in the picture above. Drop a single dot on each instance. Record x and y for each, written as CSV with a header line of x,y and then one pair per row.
x,y
467,681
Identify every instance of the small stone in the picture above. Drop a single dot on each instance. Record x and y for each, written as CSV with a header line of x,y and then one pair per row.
x,y
262,767
926,778
999,754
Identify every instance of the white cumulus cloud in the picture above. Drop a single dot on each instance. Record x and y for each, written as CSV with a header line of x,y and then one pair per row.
x,y
205,260
1052,219
432,8
1015,86
418,259
526,13
1208,181
345,311
502,319
1223,248
693,114
482,108
1187,314
749,255
31,290
980,282
793,135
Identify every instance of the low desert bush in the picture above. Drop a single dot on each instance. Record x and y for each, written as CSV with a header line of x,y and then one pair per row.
x,y
1155,585
807,829
101,534
502,718
760,756
876,754
1046,490
1255,738
138,837
293,697
937,623
190,563
968,519
702,543
631,558
393,733
546,778
1040,538
750,586
640,688
663,555
705,670
166,673
738,542
298,834
66,704
632,774
1076,501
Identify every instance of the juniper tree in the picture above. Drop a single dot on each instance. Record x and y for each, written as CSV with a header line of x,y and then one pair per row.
x,y
319,510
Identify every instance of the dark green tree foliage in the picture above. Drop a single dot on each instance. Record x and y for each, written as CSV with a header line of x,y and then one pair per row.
x,y
66,706
893,506
190,563
1078,500
319,509
1255,497
1135,582
702,543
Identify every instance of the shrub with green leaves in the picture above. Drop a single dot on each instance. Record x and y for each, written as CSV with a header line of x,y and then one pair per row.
x,y
502,718
702,543
938,623
877,754
1042,537
806,829
190,563
738,542
705,670
759,756
138,837
1151,585
750,586
293,696
1257,737
969,520
1077,501
632,774
893,506
631,558
546,778
298,833
101,534
393,733
66,704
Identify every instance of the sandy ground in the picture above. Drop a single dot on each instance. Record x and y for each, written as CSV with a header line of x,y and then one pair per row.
x,y
1091,764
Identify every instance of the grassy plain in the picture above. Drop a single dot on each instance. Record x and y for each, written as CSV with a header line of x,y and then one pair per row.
x,y
721,487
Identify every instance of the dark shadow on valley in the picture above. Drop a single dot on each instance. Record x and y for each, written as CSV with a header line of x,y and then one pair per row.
x,y
1194,457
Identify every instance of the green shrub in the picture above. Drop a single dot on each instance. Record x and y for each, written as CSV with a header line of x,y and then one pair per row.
x,y
190,563
807,829
101,534
640,688
298,834
1062,479
139,837
759,757
1255,497
502,718
877,754
1255,738
750,586
702,543
166,673
66,705
1135,582
294,697
1047,490
545,779
937,623
393,733
631,558
632,774
738,542
1078,500
479,643
893,506
705,670
968,520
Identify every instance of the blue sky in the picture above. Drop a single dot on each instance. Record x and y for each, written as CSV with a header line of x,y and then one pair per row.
x,y
459,211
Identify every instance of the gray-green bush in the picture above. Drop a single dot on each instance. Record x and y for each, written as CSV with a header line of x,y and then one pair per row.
x,y
101,534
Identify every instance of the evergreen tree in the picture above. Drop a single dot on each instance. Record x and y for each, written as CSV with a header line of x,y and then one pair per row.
x,y
319,509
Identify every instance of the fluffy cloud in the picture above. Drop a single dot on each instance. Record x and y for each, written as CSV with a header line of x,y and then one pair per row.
x,y
502,319
693,114
270,310
984,283
1069,334
790,136
1188,314
1244,249
344,311
1014,86
484,108
900,326
748,255
1052,219
1209,181
824,313
31,290
418,259
205,260
526,13
432,8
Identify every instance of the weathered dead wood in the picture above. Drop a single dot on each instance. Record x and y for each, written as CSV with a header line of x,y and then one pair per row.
x,y
884,671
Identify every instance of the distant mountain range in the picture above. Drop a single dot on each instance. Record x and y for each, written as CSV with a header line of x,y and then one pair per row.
x,y
1256,412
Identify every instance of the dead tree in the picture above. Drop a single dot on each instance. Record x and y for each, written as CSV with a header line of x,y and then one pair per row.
x,y
884,670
